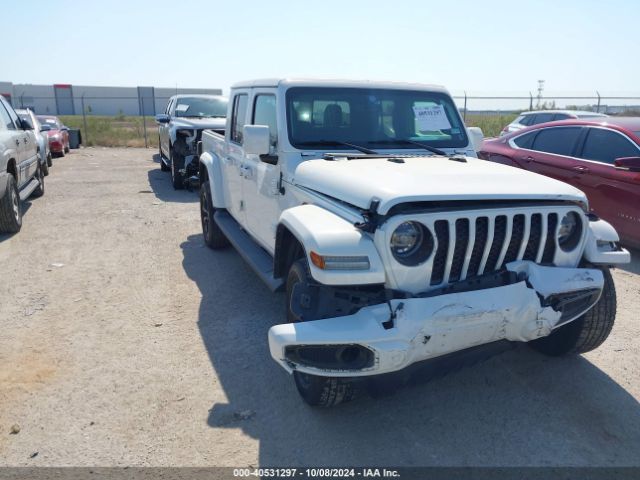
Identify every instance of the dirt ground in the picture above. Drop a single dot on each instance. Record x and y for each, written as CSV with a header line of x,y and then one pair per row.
x,y
125,341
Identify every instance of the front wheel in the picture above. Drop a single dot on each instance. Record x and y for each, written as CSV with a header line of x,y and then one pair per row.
x,y
45,168
177,179
213,236
49,160
39,191
587,332
10,211
316,390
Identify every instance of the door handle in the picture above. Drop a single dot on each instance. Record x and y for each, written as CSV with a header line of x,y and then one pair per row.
x,y
528,158
581,169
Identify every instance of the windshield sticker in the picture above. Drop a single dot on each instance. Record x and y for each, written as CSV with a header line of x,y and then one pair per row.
x,y
181,107
431,118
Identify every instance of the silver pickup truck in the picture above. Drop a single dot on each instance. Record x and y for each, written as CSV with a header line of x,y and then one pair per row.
x,y
21,173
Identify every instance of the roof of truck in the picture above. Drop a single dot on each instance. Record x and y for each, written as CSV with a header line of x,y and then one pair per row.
x,y
310,82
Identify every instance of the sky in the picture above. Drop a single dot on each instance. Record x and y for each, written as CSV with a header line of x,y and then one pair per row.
x,y
481,47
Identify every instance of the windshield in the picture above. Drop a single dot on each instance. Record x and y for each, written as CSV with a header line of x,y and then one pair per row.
x,y
372,118
200,107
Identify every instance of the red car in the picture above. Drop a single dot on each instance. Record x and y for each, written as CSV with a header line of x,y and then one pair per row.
x,y
600,157
57,132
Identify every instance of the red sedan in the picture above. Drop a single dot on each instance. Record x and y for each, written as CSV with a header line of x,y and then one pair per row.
x,y
601,158
57,132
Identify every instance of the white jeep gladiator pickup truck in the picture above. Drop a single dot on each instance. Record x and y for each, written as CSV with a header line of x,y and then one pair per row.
x,y
364,201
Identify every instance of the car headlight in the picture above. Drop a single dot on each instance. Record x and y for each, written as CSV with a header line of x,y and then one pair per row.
x,y
411,243
570,231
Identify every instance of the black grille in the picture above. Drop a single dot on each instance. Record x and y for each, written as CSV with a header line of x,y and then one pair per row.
x,y
460,249
499,233
440,260
517,235
531,251
482,232
550,246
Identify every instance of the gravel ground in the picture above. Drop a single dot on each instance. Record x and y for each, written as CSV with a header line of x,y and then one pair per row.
x,y
125,341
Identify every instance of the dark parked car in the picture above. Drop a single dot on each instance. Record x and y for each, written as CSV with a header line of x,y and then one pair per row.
x,y
180,129
58,134
600,157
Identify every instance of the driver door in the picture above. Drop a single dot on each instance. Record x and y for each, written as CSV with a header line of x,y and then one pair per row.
x,y
261,176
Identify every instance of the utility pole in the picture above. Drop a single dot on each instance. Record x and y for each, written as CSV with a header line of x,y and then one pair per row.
x,y
540,92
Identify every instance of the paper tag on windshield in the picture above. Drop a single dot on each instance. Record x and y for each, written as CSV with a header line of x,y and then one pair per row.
x,y
182,107
431,118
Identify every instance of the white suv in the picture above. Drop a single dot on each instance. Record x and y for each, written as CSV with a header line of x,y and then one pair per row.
x,y
526,119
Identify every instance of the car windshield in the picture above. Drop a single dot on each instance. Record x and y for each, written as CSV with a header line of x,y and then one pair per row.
x,y
200,107
49,121
372,118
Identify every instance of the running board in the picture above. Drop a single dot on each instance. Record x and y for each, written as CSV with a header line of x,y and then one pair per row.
x,y
258,259
28,190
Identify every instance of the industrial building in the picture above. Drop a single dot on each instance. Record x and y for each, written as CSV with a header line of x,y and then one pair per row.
x,y
67,99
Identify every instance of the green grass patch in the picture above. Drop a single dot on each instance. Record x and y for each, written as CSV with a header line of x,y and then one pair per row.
x,y
117,131
491,125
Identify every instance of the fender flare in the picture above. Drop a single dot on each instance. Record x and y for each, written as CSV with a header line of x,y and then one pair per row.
x,y
601,245
325,233
211,163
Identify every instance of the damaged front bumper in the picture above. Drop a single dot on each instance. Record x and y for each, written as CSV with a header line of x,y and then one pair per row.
x,y
385,337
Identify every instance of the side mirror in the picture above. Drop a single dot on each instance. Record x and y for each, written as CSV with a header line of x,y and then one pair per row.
x,y
25,124
45,128
476,137
162,118
632,164
256,139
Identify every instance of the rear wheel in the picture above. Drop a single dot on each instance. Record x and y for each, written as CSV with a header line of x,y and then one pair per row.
x,y
10,211
587,332
213,236
317,391
49,160
45,168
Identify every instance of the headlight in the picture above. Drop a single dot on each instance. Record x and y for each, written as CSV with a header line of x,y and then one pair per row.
x,y
411,243
570,231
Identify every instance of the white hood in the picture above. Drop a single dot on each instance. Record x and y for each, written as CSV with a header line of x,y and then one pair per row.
x,y
358,181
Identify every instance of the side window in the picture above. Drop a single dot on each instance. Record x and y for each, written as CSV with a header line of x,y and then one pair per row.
x,y
605,146
14,118
519,120
528,120
5,120
238,117
525,140
561,116
543,117
264,113
559,141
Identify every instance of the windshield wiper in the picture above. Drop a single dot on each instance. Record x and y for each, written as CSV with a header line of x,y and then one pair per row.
x,y
406,141
338,142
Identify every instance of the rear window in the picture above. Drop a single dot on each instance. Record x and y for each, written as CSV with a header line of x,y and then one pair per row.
x,y
525,141
527,120
542,118
559,141
519,120
605,146
561,116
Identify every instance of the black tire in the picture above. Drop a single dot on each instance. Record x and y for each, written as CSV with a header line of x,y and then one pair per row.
x,y
587,332
177,179
316,390
45,168
66,149
49,160
10,208
213,236
61,153
163,166
39,191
